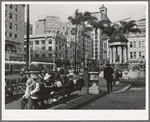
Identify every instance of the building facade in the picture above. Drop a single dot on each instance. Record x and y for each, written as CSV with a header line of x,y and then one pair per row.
x,y
46,47
14,31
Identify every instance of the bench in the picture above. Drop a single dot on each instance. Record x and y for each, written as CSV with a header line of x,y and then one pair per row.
x,y
45,94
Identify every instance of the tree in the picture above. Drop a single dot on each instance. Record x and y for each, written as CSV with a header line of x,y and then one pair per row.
x,y
80,18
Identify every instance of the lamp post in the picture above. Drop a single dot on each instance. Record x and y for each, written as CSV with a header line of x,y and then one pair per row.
x,y
53,62
27,43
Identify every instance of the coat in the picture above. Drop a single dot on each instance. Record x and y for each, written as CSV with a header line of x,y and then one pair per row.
x,y
108,74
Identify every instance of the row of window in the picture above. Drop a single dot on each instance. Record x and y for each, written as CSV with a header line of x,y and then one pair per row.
x,y
11,16
11,7
37,42
11,35
137,44
11,26
134,55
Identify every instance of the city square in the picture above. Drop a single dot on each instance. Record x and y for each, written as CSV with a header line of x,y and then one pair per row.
x,y
80,56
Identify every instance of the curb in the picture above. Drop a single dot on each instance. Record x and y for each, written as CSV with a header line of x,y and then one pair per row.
x,y
81,101
124,89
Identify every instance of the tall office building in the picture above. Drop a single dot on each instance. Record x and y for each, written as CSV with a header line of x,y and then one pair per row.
x,y
97,39
14,31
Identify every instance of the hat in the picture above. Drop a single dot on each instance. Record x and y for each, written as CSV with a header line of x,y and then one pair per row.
x,y
30,82
33,76
80,74
46,76
21,73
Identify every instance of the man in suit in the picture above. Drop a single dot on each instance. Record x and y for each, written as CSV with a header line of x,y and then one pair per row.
x,y
108,75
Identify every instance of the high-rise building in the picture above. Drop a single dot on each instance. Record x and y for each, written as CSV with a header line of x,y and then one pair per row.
x,y
96,39
47,25
14,31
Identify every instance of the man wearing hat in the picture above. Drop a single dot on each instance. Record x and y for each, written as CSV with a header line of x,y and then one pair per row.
x,y
108,76
29,97
80,82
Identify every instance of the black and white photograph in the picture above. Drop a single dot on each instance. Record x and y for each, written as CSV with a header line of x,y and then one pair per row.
x,y
72,60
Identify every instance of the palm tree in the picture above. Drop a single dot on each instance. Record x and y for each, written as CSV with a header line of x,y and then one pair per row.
x,y
80,18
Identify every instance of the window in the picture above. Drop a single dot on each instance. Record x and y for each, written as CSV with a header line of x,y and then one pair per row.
x,y
10,25
5,24
16,18
139,43
16,27
36,55
10,6
10,15
16,8
43,41
50,48
10,34
139,54
131,55
5,13
50,41
143,44
15,35
43,47
50,55
43,55
130,44
36,42
134,55
134,43
105,45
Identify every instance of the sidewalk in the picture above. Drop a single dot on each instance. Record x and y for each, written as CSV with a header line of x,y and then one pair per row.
x,y
89,98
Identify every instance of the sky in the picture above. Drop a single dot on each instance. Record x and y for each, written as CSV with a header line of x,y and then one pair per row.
x,y
115,10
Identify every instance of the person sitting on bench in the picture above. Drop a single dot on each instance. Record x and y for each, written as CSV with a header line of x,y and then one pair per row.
x,y
29,98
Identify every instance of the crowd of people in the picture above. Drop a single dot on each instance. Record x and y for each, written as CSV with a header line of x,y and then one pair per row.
x,y
47,79
43,77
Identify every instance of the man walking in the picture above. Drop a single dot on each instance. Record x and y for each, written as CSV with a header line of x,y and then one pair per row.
x,y
108,76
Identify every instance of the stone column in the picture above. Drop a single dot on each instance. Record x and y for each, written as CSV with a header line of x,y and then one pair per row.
x,y
111,51
125,55
120,58
127,52
114,55
116,51
122,54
